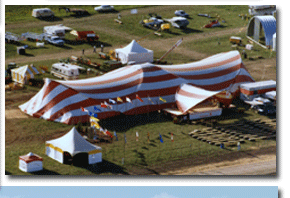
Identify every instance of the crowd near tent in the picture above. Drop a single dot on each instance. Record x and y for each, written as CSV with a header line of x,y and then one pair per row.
x,y
30,162
134,89
24,73
73,148
262,25
134,53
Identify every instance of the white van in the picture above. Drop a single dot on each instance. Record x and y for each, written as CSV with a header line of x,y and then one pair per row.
x,y
42,12
65,71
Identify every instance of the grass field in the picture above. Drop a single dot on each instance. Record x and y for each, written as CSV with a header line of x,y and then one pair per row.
x,y
25,134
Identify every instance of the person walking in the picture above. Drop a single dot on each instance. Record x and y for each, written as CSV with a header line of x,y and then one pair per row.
x,y
83,51
102,48
94,49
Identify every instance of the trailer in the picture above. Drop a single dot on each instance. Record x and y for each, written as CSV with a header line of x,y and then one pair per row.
x,y
33,36
89,36
11,37
249,91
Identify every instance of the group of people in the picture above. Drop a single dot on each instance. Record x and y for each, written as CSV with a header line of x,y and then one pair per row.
x,y
95,49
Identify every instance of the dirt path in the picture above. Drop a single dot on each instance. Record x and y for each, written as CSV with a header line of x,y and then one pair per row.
x,y
260,165
259,161
164,46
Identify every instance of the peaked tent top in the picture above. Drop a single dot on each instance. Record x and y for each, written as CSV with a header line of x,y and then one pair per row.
x,y
134,47
188,96
73,143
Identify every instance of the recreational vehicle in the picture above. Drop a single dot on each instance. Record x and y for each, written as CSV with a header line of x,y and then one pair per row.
x,y
42,12
65,71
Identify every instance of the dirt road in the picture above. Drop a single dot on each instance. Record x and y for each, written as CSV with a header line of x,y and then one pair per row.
x,y
261,165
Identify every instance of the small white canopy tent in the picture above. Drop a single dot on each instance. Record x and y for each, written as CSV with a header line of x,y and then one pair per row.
x,y
30,162
134,53
73,143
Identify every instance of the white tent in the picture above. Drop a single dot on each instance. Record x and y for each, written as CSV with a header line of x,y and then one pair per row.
x,y
134,53
73,143
30,163
24,73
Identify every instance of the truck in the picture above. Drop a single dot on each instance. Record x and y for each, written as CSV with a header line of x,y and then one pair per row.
x,y
54,40
89,36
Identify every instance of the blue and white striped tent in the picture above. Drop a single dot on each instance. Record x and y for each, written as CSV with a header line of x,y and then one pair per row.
x,y
265,23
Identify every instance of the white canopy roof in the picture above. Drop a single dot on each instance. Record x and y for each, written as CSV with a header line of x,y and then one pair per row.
x,y
133,47
188,96
73,143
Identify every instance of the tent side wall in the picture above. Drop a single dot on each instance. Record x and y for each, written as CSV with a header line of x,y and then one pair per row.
x,y
122,56
54,153
141,57
95,157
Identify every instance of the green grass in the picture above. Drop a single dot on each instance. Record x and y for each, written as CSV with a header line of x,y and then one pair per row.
x,y
130,26
22,13
28,138
219,44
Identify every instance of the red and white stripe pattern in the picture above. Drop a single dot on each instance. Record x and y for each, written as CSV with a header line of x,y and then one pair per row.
x,y
61,101
188,96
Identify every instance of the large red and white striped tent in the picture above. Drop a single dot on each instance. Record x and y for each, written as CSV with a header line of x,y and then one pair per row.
x,y
61,101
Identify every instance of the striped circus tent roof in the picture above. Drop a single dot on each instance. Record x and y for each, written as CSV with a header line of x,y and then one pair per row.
x,y
61,101
27,71
188,96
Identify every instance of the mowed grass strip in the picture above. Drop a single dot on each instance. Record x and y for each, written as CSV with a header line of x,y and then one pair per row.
x,y
29,135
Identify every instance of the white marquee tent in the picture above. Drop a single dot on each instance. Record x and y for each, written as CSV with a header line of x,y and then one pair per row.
x,y
73,143
134,53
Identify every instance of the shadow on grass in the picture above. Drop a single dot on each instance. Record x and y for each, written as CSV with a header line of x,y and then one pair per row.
x,y
64,47
123,122
45,172
105,167
190,30
28,54
50,19
7,173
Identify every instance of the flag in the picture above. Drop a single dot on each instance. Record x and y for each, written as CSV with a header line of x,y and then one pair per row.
x,y
85,110
160,137
115,134
110,106
119,99
109,134
162,99
95,124
94,119
125,138
148,137
93,114
172,140
103,105
139,98
112,101
97,109
128,100
150,100
137,136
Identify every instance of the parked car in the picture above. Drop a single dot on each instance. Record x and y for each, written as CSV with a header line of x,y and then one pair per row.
x,y
104,8
54,40
181,13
